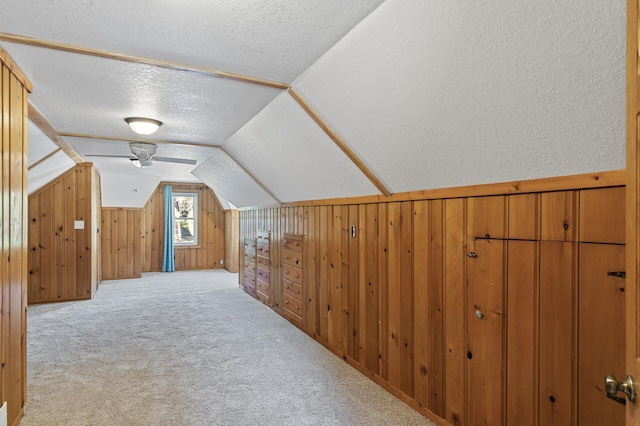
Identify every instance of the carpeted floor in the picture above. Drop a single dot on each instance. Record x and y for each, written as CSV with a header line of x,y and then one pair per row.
x,y
189,348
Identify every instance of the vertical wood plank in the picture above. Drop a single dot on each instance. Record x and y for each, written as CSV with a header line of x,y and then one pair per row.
x,y
421,303
558,222
383,288
406,299
523,216
436,307
602,215
522,332
352,283
372,283
394,337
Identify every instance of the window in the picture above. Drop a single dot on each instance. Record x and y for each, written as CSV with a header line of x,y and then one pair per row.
x,y
185,219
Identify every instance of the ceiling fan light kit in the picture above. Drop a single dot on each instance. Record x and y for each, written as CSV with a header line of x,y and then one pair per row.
x,y
143,126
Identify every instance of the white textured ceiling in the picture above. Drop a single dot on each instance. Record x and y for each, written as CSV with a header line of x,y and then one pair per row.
x,y
426,94
129,190
287,151
48,171
228,179
440,94
39,144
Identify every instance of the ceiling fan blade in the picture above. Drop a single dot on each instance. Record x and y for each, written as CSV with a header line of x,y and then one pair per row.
x,y
109,156
174,160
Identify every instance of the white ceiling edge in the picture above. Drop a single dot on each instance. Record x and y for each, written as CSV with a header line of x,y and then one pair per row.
x,y
127,191
48,170
39,144
292,156
442,94
230,181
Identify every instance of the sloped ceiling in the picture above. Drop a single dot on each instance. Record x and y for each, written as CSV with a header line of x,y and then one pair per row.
x,y
411,94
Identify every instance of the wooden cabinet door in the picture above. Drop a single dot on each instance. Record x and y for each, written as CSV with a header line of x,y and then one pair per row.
x,y
485,333
601,332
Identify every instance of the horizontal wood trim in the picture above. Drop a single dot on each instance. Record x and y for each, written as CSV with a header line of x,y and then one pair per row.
x,y
559,183
112,138
42,160
70,299
15,69
341,144
29,41
39,120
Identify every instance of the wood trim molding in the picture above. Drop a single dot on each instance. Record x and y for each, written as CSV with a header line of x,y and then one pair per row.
x,y
15,69
255,179
39,120
338,141
113,138
559,183
42,160
29,41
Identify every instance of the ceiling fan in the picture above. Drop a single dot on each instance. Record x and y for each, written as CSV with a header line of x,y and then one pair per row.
x,y
144,154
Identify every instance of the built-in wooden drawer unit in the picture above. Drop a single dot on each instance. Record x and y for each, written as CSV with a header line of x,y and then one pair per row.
x,y
292,258
292,242
249,244
263,266
291,273
249,282
250,257
292,279
292,289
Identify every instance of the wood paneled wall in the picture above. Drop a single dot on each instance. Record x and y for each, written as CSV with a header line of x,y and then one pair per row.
x,y
468,309
63,261
14,89
121,243
210,250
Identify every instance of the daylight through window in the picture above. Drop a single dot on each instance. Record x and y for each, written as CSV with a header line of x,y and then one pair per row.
x,y
185,219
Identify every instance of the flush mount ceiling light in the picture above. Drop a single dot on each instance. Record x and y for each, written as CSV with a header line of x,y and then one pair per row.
x,y
143,126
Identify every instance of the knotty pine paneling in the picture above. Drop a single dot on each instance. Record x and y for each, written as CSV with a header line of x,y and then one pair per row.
x,y
210,250
63,261
399,299
14,90
121,243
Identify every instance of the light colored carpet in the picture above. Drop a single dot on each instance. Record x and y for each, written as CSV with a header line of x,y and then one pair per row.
x,y
189,348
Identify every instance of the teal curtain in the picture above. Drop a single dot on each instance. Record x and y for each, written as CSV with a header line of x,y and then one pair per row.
x,y
167,261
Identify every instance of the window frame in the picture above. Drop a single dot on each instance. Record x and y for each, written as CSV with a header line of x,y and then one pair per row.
x,y
194,196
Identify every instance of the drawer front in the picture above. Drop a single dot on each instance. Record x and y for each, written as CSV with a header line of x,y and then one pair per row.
x,y
263,298
249,244
263,262
262,287
249,278
292,289
249,266
263,275
250,289
249,257
292,258
262,237
292,242
263,250
292,305
291,273
295,319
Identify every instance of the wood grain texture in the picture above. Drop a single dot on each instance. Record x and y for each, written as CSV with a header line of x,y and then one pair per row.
x,y
121,238
64,259
210,249
602,215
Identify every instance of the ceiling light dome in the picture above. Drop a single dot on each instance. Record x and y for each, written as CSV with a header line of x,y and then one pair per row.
x,y
143,126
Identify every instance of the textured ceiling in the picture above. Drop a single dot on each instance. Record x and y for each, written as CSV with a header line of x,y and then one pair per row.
x,y
425,94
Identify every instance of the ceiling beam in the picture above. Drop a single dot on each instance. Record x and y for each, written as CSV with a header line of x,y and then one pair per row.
x,y
47,129
255,179
42,160
29,41
338,141
112,138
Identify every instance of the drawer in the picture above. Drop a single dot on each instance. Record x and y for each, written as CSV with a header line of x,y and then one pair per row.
x,y
262,237
250,289
262,297
249,266
295,319
263,275
262,287
291,273
249,278
292,305
263,262
263,250
249,257
292,289
249,244
292,242
292,258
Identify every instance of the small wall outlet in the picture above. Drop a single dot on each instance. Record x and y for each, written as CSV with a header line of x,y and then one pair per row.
x,y
78,224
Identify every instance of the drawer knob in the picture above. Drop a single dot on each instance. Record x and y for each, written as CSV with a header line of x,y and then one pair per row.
x,y
297,243
286,301
297,307
286,257
286,271
297,276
